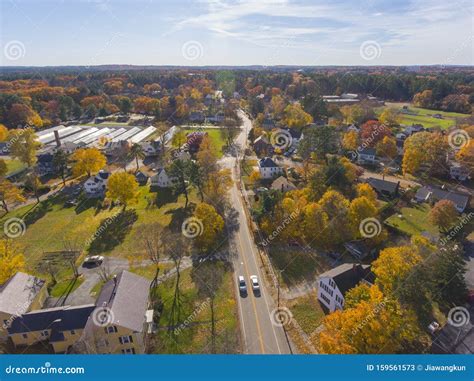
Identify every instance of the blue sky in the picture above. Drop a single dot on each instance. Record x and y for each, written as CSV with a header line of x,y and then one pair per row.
x,y
245,32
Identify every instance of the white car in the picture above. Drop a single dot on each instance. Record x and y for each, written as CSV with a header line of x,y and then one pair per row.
x,y
255,285
94,260
242,285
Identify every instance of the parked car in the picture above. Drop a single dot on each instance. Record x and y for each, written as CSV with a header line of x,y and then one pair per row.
x,y
95,260
255,285
242,285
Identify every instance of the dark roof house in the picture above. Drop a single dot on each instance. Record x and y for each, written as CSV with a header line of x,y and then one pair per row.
x,y
384,187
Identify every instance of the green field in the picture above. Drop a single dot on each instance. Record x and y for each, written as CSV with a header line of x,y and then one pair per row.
x,y
215,136
195,337
413,221
50,222
423,116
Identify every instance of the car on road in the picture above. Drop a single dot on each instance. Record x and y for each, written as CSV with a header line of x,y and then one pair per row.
x,y
255,284
94,260
242,285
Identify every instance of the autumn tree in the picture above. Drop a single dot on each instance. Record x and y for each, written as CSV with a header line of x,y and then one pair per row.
x,y
372,131
376,324
180,171
12,259
122,187
387,147
3,133
212,224
9,193
390,117
443,214
87,161
361,208
425,150
350,141
365,190
61,162
137,153
3,168
23,145
465,155
296,117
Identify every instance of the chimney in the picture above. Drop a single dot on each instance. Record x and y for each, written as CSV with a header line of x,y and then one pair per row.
x,y
56,137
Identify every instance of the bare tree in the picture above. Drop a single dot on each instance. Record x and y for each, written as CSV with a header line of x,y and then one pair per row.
x,y
152,240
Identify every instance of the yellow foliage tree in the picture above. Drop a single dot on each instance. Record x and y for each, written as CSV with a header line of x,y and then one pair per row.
x,y
465,155
23,145
296,117
375,325
350,140
387,147
3,133
122,187
12,259
87,161
365,190
212,225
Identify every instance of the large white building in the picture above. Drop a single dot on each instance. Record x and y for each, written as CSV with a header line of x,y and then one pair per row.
x,y
268,168
333,284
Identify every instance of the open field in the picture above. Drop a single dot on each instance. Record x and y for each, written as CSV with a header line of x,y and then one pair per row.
x,y
195,335
414,221
423,116
50,222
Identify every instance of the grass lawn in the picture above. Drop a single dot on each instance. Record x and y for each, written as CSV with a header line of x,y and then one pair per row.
x,y
195,337
149,271
297,265
307,311
49,223
424,116
14,165
215,136
414,221
65,286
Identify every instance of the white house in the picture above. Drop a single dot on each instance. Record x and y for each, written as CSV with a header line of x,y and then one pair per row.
x,y
354,128
366,156
434,194
333,284
162,179
96,185
268,168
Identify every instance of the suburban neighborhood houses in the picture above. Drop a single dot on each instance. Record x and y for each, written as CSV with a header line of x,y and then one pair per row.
x,y
236,211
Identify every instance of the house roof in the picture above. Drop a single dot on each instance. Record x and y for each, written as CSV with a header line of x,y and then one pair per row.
x,y
282,182
367,151
140,175
127,298
261,139
348,275
443,194
383,185
17,294
57,319
267,162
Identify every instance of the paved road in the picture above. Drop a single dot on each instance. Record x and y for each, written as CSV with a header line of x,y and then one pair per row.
x,y
260,336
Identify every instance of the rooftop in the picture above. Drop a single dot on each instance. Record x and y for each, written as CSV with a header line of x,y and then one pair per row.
x,y
348,275
18,293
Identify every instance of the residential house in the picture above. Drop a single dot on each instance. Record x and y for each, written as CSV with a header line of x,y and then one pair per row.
x,y
353,128
413,129
262,146
61,327
366,156
121,319
96,185
268,168
162,179
151,149
216,118
196,117
282,184
458,172
435,194
45,163
384,188
18,295
142,178
334,284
